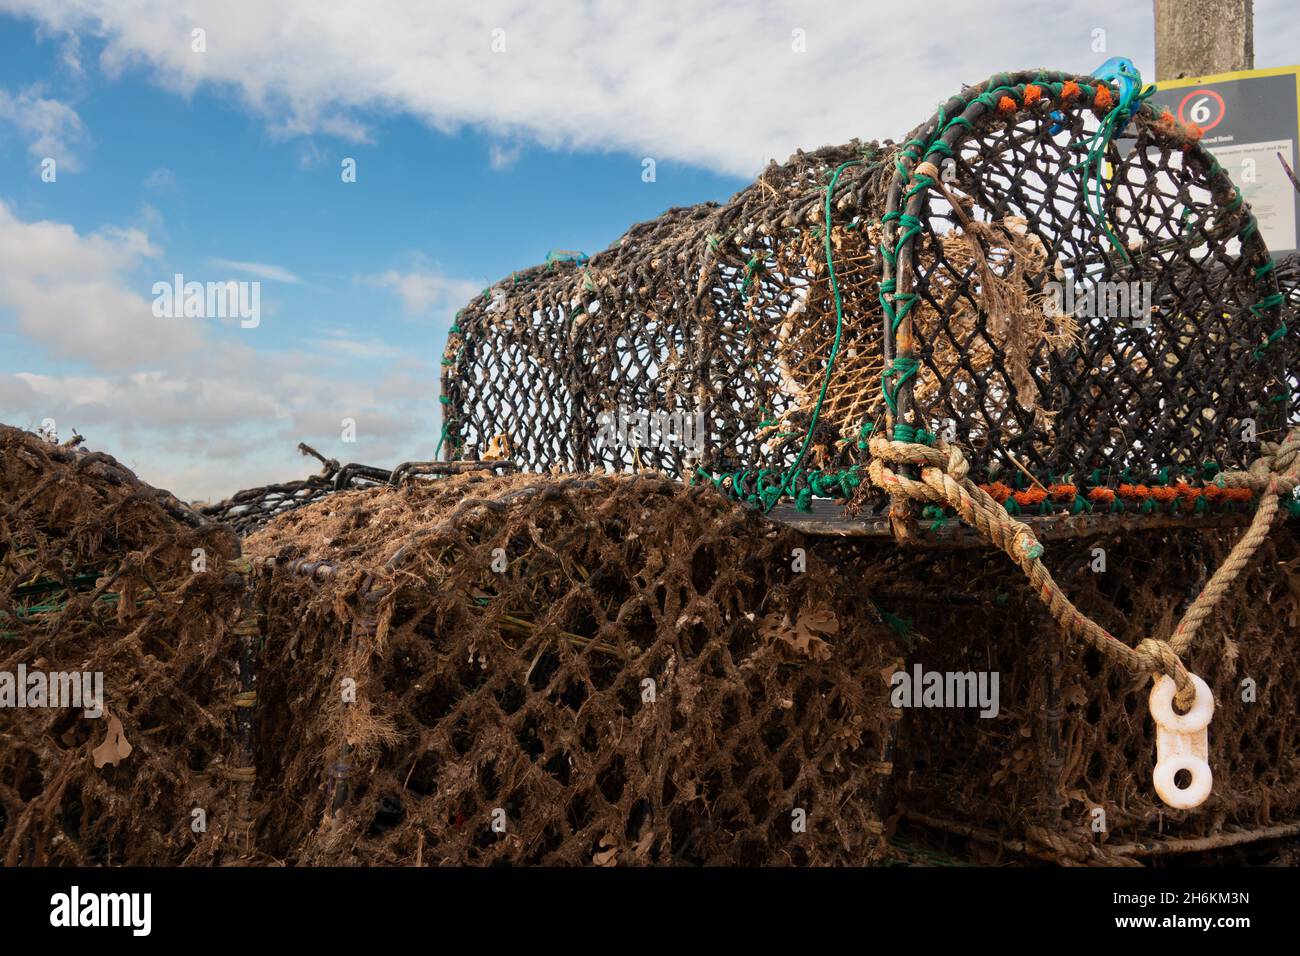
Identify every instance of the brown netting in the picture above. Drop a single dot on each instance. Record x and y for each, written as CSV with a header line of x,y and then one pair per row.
x,y
96,576
521,687
717,311
524,690
253,508
1073,732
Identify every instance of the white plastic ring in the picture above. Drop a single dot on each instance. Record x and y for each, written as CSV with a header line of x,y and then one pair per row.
x,y
1162,706
1183,798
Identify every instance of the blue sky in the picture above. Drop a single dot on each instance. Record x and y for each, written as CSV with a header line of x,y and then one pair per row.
x,y
210,182
225,165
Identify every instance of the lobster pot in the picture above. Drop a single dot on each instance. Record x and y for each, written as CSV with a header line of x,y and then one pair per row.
x,y
581,670
107,610
1122,316
1063,769
696,341
1058,287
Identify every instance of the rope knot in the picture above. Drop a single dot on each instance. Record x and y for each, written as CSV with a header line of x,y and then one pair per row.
x,y
1274,472
1284,459
1164,659
905,452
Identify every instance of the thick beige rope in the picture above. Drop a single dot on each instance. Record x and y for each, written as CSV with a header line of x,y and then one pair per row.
x,y
1276,473
944,480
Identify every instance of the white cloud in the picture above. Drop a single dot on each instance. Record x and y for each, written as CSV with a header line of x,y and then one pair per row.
x,y
67,294
160,178
263,270
342,343
52,128
70,55
423,291
503,157
191,405
89,390
716,84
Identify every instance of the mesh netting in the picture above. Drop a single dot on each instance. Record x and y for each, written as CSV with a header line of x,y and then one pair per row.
x,y
621,670
1073,733
96,575
966,290
712,310
1102,392
645,679
254,508
443,656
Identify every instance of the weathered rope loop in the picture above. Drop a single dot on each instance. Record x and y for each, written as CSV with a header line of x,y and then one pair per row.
x,y
944,479
1273,474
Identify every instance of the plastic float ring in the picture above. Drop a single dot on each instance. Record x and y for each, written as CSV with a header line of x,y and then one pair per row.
x,y
1162,706
1183,798
1182,743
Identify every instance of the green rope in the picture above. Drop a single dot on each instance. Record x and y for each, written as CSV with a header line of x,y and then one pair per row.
x,y
937,514
790,477
1269,302
1099,142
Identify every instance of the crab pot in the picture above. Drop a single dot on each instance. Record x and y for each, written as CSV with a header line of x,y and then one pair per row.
x,y
1063,769
102,590
580,670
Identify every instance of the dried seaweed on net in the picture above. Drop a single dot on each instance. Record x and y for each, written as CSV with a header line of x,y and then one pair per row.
x,y
96,575
1005,776
728,309
524,690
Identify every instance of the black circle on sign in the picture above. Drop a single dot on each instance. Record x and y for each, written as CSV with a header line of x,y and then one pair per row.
x,y
1206,126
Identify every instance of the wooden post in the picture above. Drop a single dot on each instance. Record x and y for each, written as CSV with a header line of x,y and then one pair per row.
x,y
1203,37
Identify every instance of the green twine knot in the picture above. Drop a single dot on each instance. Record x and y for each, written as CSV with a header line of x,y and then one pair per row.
x,y
900,370
935,512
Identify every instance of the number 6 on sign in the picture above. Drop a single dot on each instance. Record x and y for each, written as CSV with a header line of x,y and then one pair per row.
x,y
1203,108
